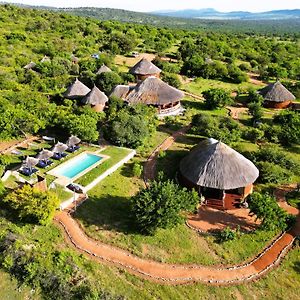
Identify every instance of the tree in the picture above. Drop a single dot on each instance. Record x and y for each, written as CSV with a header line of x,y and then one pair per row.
x,y
171,79
217,98
289,121
161,205
255,110
32,204
132,126
107,81
267,210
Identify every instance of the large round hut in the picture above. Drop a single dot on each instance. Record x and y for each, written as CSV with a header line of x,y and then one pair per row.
x,y
220,174
144,69
76,90
277,96
96,99
152,91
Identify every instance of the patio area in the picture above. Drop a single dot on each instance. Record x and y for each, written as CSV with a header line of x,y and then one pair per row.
x,y
210,220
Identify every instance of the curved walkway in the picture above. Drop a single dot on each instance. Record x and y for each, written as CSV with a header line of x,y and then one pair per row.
x,y
171,273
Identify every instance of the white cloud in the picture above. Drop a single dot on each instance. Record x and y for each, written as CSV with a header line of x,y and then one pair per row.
x,y
152,5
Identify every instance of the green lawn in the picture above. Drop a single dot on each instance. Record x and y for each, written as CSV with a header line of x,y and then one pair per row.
x,y
200,85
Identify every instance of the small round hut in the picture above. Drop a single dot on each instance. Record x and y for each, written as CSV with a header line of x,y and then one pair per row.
x,y
76,90
103,69
144,69
277,96
96,99
152,91
222,176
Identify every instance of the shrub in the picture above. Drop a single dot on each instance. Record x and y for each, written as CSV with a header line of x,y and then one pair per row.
x,y
253,134
171,79
227,234
161,205
137,170
267,210
107,81
271,173
217,98
33,205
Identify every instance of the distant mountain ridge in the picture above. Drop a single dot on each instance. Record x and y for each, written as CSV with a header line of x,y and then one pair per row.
x,y
210,13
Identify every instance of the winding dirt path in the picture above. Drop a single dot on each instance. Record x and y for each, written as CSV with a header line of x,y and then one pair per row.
x,y
174,273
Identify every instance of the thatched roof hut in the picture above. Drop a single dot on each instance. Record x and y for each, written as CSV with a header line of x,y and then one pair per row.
x,y
145,68
215,165
30,66
151,91
76,90
103,69
276,95
45,154
73,141
95,97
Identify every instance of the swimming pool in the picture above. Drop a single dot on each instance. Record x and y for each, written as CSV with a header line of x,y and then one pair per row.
x,y
77,165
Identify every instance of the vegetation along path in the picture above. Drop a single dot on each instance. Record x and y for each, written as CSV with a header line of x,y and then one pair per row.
x,y
174,273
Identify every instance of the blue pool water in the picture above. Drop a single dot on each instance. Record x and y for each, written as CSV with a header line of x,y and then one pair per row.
x,y
76,166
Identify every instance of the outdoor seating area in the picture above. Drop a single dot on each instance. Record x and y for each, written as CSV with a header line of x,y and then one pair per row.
x,y
45,158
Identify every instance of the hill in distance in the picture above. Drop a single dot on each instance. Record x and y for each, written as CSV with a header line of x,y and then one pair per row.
x,y
210,13
161,19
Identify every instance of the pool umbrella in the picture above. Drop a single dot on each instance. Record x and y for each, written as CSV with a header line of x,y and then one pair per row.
x,y
45,154
73,141
60,148
30,162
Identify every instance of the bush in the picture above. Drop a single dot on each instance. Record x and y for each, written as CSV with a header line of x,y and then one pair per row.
x,y
161,205
220,128
171,79
253,134
227,234
267,210
271,173
33,205
137,170
107,81
217,98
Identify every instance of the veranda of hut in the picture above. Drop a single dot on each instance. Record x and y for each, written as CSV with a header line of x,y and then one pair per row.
x,y
222,176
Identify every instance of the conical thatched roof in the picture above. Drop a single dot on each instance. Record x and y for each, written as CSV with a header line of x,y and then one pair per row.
x,y
60,147
94,97
215,165
76,90
103,69
30,66
276,92
45,154
73,140
30,162
145,67
150,91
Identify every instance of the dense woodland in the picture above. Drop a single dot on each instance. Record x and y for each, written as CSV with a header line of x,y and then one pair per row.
x,y
32,103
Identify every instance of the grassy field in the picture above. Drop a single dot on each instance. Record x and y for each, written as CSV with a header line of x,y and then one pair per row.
x,y
200,85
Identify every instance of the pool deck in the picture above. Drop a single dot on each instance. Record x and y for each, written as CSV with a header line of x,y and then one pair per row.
x,y
90,186
63,180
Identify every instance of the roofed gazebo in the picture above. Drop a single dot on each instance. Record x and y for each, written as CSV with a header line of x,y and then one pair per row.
x,y
96,99
152,91
76,90
277,96
220,174
144,69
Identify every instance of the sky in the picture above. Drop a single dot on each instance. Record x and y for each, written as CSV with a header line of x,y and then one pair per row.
x,y
153,5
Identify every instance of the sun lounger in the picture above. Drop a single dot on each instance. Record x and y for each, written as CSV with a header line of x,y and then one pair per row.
x,y
72,149
28,171
44,163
